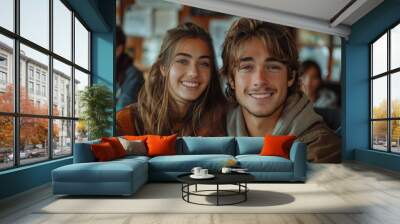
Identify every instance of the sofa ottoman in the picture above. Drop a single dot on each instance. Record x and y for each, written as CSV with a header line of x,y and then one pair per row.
x,y
119,177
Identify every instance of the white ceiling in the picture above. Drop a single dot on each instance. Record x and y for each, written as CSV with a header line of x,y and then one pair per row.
x,y
315,15
320,9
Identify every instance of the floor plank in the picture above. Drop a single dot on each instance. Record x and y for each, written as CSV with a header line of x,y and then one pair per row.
x,y
375,189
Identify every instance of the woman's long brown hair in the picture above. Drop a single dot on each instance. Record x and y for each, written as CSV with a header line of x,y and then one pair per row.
x,y
155,105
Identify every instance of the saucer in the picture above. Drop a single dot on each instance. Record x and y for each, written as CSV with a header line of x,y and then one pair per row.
x,y
208,176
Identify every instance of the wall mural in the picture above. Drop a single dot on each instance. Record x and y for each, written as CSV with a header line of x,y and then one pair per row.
x,y
193,72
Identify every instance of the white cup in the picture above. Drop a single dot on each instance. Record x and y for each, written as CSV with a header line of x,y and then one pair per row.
x,y
203,172
226,170
196,170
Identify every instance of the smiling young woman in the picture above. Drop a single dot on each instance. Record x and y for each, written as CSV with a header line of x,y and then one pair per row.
x,y
182,92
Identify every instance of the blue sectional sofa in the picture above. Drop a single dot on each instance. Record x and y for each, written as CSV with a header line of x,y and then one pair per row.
x,y
125,176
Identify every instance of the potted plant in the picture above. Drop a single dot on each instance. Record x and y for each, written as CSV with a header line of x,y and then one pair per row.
x,y
96,103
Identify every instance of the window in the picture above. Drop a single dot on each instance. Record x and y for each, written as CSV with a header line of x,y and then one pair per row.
x,y
7,14
38,89
41,22
30,87
6,89
63,75
30,72
81,45
3,61
3,80
385,93
37,74
34,26
3,72
44,91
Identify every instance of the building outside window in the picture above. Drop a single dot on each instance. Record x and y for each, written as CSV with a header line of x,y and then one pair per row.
x,y
384,91
30,72
3,61
35,53
43,90
3,72
38,89
43,77
30,87
3,78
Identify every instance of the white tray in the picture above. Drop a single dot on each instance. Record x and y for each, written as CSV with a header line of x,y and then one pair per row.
x,y
208,176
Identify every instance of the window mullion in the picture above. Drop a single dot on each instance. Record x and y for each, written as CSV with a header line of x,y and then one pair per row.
x,y
73,83
371,98
16,70
50,81
389,94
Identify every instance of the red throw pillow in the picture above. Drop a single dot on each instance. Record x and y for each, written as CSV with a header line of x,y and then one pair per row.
x,y
278,145
103,151
161,145
116,145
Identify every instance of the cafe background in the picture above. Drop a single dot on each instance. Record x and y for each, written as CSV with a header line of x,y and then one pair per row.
x,y
145,22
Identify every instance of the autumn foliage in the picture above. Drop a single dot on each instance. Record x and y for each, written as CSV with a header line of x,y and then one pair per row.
x,y
380,127
33,131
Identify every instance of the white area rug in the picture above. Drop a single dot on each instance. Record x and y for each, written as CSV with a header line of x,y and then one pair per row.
x,y
166,198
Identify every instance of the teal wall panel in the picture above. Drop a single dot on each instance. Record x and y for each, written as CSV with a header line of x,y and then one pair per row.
x,y
356,85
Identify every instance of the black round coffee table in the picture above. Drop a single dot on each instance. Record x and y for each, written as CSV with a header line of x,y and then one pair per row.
x,y
238,179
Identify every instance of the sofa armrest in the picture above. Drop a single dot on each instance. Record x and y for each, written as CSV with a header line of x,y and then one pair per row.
x,y
83,152
298,155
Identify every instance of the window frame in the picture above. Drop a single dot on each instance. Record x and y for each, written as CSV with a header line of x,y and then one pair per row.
x,y
388,74
16,114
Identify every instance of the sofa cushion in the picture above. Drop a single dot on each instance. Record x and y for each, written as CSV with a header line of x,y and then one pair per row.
x,y
206,145
257,163
249,145
132,158
185,163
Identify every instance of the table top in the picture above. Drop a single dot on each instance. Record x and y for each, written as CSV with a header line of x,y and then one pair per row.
x,y
220,178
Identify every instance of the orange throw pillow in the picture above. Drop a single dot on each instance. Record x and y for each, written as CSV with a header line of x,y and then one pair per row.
x,y
103,151
116,145
161,145
278,145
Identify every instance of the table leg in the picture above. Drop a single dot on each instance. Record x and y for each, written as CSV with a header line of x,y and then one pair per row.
x,y
196,188
245,193
217,194
188,189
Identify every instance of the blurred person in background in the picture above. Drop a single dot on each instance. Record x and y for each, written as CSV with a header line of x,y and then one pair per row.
x,y
129,78
311,85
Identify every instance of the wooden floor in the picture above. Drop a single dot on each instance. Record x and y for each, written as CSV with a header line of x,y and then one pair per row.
x,y
377,189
